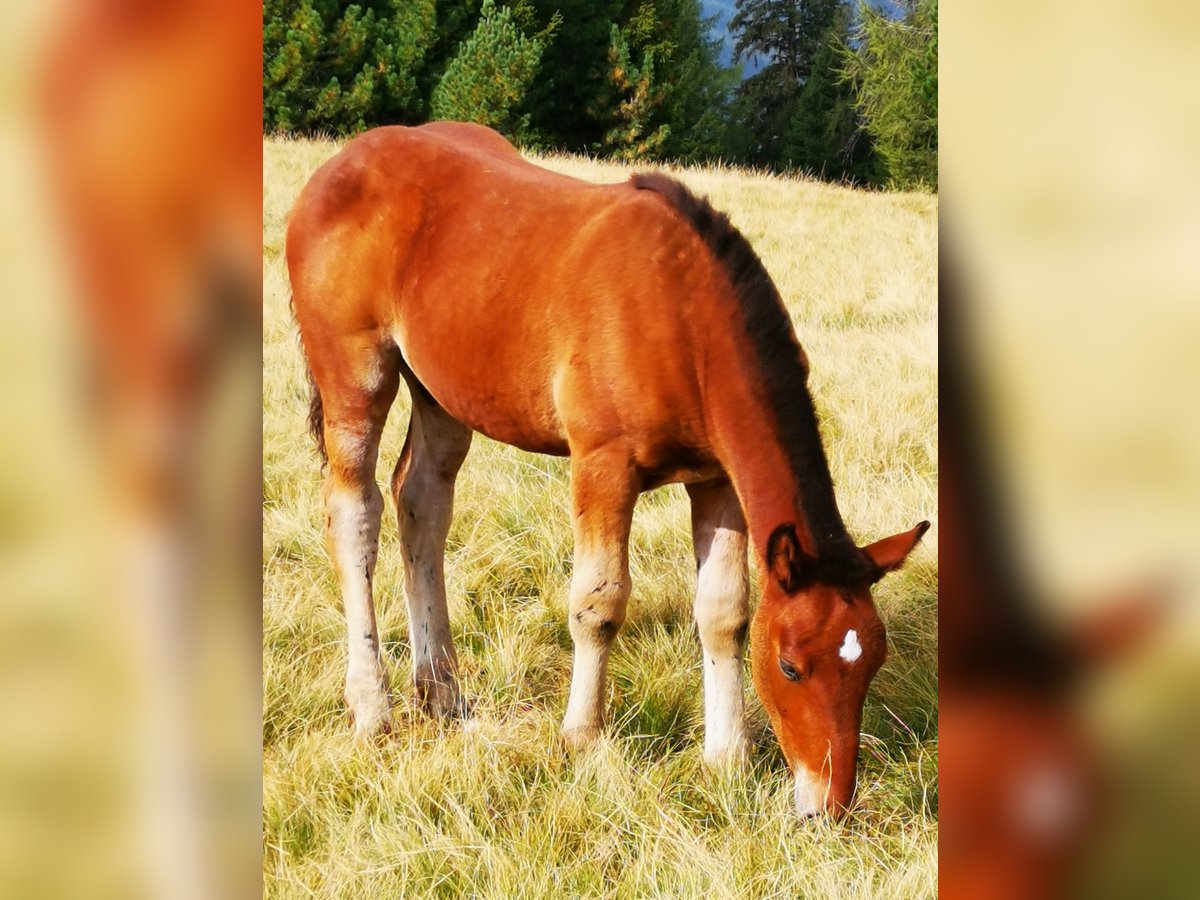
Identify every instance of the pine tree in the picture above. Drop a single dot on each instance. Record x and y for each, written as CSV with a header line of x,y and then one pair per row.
x,y
788,35
334,66
456,20
629,104
825,136
651,88
694,89
487,79
577,104
562,101
896,75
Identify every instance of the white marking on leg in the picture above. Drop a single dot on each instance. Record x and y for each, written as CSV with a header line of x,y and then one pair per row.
x,y
721,609
604,487
596,610
851,649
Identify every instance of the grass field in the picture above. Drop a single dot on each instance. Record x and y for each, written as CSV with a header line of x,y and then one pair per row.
x,y
497,809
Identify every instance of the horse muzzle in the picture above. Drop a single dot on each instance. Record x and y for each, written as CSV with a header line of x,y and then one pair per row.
x,y
810,792
814,794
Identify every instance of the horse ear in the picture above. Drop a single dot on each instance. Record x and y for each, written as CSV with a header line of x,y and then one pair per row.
x,y
891,552
784,557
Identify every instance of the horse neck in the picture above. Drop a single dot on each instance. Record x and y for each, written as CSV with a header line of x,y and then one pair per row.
x,y
767,439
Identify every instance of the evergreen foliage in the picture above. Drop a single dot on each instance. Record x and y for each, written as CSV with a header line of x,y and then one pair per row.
x,y
488,77
789,35
633,79
825,136
896,71
340,67
694,90
669,76
456,20
563,103
630,103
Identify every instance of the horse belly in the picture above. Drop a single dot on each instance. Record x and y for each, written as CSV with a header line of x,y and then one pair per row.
x,y
486,385
510,423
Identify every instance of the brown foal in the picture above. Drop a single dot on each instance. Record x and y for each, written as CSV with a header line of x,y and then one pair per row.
x,y
628,326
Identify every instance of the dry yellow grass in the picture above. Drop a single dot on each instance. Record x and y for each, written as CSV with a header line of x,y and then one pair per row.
x,y
497,809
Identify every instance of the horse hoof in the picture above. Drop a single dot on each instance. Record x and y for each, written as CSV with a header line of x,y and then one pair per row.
x,y
732,758
442,701
371,726
577,739
368,708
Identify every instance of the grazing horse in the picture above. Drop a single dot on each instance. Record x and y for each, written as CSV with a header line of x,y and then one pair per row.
x,y
628,326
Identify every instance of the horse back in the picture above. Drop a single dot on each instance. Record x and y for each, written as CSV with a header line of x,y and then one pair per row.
x,y
541,310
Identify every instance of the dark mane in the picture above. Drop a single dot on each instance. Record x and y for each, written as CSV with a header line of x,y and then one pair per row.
x,y
784,372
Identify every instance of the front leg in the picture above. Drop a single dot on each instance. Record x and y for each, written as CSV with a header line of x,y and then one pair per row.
x,y
722,611
604,489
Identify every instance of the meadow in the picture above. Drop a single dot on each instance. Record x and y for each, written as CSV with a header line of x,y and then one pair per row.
x,y
497,808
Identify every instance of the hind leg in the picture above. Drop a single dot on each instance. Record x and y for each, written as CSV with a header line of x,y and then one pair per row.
x,y
354,417
722,611
423,487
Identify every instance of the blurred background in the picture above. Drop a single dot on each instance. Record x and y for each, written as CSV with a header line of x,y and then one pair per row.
x,y
130,454
1067,250
130,384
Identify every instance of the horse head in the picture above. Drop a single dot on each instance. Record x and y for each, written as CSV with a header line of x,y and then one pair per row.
x,y
816,642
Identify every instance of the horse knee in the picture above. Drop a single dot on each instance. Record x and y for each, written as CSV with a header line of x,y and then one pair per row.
x,y
722,619
726,634
598,612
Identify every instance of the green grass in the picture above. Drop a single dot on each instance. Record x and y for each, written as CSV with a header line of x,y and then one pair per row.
x,y
497,809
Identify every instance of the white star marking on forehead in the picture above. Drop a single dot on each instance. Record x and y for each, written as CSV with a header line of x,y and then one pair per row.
x,y
851,649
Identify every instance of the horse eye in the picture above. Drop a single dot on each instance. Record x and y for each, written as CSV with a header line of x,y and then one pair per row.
x,y
789,671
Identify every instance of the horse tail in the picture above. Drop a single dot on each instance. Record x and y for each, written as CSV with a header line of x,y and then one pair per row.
x,y
316,408
316,415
